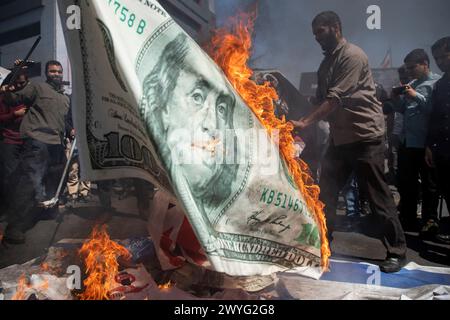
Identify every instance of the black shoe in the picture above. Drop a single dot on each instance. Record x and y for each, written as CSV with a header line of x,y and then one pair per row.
x,y
393,264
13,236
443,238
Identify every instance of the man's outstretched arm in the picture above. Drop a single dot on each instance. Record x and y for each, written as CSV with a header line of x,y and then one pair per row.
x,y
320,113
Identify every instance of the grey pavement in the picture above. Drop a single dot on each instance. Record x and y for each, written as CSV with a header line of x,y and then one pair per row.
x,y
125,223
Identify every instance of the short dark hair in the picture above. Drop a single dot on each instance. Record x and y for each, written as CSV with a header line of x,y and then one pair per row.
x,y
328,18
443,43
417,56
52,63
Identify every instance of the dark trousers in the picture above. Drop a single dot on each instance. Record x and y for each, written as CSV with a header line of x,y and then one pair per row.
x,y
443,180
42,164
366,159
38,176
392,157
104,189
411,167
9,162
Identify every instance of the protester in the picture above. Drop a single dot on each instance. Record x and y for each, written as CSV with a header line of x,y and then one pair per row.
x,y
42,129
346,90
415,104
11,145
394,130
438,140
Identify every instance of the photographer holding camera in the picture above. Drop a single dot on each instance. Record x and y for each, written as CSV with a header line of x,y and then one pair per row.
x,y
413,100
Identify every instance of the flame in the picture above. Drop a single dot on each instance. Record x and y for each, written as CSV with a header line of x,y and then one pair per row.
x,y
23,286
230,48
101,255
165,286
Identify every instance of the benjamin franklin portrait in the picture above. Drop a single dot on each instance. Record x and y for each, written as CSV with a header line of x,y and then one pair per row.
x,y
184,92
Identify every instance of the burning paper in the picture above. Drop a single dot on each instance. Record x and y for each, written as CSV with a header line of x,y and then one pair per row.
x,y
101,259
150,103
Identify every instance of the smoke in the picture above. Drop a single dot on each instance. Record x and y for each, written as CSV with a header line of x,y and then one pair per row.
x,y
284,41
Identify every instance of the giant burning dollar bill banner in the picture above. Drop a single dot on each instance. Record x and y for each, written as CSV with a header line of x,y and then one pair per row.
x,y
150,104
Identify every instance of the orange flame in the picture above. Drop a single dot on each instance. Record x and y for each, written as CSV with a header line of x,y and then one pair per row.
x,y
23,286
101,255
165,286
230,48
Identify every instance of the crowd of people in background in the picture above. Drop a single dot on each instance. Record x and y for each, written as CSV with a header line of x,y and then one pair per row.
x,y
410,125
416,129
407,128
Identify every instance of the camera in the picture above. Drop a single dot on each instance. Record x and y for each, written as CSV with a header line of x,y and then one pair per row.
x,y
400,90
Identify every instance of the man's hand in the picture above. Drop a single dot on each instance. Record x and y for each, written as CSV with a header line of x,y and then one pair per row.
x,y
21,112
7,88
429,158
410,92
300,124
320,113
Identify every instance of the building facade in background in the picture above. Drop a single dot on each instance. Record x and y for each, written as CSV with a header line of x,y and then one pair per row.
x,y
22,21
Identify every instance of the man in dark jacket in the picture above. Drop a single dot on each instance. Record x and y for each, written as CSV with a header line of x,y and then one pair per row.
x,y
42,130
